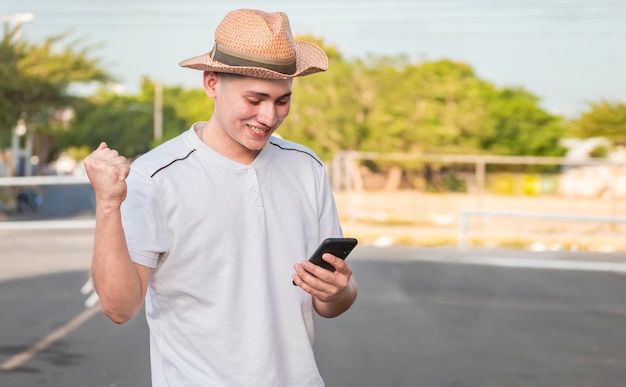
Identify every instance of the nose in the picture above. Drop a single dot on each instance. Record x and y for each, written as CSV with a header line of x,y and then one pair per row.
x,y
267,114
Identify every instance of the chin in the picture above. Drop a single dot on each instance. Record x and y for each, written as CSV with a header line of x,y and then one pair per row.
x,y
257,144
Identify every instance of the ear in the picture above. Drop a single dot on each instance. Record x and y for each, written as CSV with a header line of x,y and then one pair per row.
x,y
209,80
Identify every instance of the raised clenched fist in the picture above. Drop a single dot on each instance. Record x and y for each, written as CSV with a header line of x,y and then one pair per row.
x,y
107,172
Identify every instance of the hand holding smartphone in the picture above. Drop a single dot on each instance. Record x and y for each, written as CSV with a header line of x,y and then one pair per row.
x,y
339,247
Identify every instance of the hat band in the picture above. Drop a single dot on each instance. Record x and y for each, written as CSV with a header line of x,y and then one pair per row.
x,y
231,57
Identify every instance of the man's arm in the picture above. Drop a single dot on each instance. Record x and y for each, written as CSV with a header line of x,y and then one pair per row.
x,y
333,292
120,283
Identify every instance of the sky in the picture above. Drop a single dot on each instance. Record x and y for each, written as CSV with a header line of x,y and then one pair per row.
x,y
569,53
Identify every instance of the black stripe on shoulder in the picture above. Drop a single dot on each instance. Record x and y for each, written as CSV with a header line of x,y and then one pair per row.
x,y
172,162
299,150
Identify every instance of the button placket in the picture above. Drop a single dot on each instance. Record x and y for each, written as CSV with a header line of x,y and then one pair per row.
x,y
254,188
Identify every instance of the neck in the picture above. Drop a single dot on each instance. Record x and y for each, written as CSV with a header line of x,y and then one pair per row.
x,y
218,140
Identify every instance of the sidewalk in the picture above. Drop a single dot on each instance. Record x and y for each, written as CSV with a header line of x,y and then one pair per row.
x,y
605,240
35,252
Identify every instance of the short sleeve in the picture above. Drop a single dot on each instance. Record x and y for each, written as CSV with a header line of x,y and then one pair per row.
x,y
142,218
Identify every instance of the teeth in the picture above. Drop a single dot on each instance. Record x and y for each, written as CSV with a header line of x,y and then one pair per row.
x,y
257,130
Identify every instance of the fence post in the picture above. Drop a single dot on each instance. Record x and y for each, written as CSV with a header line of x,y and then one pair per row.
x,y
480,182
335,171
463,226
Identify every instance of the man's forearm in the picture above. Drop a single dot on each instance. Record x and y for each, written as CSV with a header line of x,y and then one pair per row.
x,y
114,275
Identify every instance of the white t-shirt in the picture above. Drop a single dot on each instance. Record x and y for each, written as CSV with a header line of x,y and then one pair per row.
x,y
222,238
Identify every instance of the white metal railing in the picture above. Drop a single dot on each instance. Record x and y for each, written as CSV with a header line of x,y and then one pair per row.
x,y
70,224
43,180
467,214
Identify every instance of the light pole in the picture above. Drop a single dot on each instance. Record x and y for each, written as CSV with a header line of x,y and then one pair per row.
x,y
17,19
158,110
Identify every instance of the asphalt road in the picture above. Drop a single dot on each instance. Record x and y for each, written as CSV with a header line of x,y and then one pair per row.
x,y
416,323
424,317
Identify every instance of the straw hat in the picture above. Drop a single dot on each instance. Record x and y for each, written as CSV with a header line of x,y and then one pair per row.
x,y
259,44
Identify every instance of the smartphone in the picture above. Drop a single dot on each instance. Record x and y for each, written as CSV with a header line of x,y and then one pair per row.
x,y
339,247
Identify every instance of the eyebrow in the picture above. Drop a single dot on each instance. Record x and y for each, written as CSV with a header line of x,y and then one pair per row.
x,y
265,95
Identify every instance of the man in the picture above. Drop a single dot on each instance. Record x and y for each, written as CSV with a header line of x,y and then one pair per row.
x,y
213,227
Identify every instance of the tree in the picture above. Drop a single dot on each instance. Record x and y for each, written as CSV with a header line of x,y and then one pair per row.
x,y
603,119
35,79
328,109
188,105
517,125
380,104
125,122
433,107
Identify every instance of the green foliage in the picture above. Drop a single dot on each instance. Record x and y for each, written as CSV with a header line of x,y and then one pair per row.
x,y
599,152
432,107
387,104
188,105
604,119
125,123
34,81
10,86
378,104
328,109
516,125
112,119
35,78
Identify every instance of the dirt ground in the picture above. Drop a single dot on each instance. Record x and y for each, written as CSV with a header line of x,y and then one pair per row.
x,y
411,217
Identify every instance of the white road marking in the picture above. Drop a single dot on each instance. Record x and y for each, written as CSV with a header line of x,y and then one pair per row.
x,y
45,342
556,264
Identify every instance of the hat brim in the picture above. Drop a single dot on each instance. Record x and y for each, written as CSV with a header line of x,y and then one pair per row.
x,y
309,59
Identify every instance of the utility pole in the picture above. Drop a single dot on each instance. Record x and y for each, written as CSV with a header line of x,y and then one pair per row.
x,y
158,110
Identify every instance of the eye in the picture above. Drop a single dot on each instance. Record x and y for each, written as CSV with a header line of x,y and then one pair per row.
x,y
253,101
282,101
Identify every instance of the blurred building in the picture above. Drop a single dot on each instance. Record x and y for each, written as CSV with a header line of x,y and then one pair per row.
x,y
594,180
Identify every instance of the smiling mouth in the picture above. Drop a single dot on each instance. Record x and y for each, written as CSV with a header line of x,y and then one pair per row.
x,y
258,130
